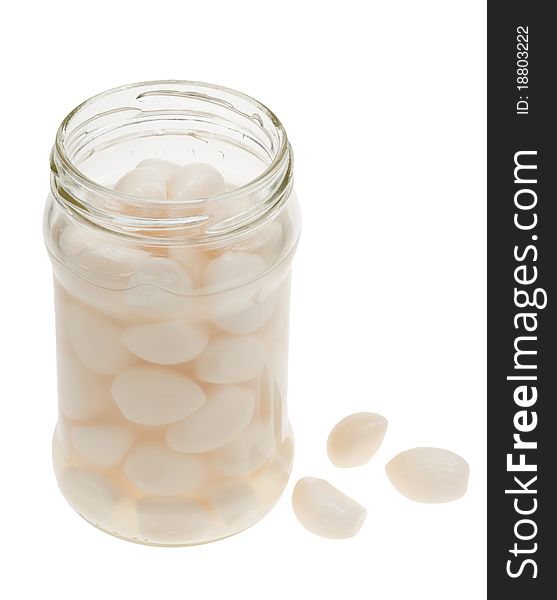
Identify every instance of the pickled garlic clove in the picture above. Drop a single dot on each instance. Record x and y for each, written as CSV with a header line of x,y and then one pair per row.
x,y
91,494
165,167
75,238
109,302
326,511
271,481
220,420
142,182
156,395
163,273
193,260
355,439
249,319
123,520
232,269
195,181
60,460
107,264
267,241
231,209
246,453
169,343
159,471
158,284
429,474
233,502
166,520
230,359
101,445
82,394
96,341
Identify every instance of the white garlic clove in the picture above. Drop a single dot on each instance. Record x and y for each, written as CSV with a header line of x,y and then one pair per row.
x,y
156,395
220,420
92,495
98,258
158,283
74,238
159,471
60,460
123,520
267,241
234,503
233,207
277,363
165,167
265,405
247,453
143,182
163,273
270,483
81,393
232,269
195,181
249,319
355,439
277,326
96,341
169,343
101,445
108,265
326,511
165,520
193,260
279,415
237,275
429,474
230,359
108,301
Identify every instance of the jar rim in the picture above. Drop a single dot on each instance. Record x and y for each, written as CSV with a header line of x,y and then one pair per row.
x,y
248,187
183,220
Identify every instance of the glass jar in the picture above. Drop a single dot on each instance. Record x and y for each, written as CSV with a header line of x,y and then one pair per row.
x,y
171,283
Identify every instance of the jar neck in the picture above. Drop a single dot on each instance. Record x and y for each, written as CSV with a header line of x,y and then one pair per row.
x,y
190,118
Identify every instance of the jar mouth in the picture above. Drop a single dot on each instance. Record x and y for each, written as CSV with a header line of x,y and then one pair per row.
x,y
171,102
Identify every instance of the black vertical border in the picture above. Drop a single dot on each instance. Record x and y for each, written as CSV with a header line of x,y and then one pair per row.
x,y
508,133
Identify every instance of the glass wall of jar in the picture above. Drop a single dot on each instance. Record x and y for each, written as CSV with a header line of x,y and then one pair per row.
x,y
171,225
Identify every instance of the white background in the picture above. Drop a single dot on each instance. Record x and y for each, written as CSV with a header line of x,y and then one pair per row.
x,y
384,103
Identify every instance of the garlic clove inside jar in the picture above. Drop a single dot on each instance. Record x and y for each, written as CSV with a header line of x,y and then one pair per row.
x,y
171,242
